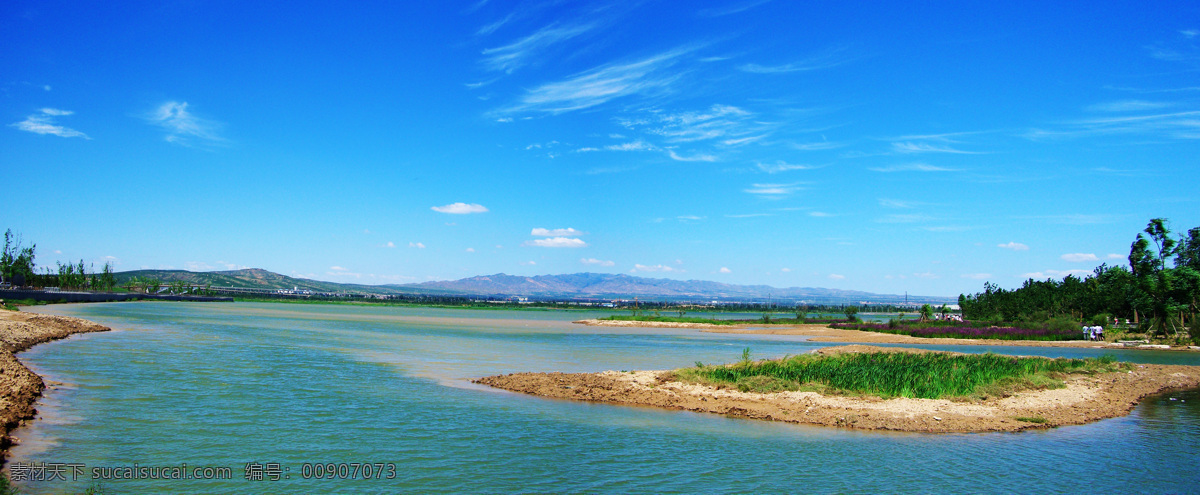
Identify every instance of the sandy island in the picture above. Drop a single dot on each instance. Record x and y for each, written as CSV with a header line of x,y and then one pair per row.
x,y
1086,398
822,333
19,387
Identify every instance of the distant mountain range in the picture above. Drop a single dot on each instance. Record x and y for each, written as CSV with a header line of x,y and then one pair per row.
x,y
570,286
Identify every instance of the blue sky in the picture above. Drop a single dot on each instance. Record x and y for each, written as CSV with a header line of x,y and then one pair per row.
x,y
889,148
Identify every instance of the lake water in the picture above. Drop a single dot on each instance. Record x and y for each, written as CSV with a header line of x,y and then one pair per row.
x,y
252,385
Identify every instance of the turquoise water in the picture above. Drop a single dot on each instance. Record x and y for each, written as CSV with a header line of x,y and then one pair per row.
x,y
223,385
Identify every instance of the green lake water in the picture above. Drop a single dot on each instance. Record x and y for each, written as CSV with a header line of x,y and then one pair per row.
x,y
241,385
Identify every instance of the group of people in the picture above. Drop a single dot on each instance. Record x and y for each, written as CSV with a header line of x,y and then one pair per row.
x,y
1093,332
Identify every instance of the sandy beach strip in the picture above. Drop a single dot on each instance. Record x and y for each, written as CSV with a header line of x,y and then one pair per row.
x,y
20,387
822,333
1085,398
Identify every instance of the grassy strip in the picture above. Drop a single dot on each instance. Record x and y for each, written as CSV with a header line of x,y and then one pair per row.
x,y
965,331
897,374
711,321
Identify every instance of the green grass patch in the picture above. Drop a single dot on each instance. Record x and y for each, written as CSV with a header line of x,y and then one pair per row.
x,y
926,376
1034,419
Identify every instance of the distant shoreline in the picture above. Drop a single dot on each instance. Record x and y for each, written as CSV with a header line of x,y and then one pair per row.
x,y
1085,399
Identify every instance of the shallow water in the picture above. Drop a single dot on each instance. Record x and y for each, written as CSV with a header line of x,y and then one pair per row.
x,y
221,384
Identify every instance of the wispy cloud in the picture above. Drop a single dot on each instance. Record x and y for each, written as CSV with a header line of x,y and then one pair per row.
x,y
1128,106
912,167
895,203
724,270
774,191
43,122
731,9
594,261
567,232
519,53
781,166
417,245
694,158
1015,246
830,58
912,147
1055,273
601,85
652,268
184,128
907,218
557,242
819,214
835,276
1079,257
460,208
1174,125
750,215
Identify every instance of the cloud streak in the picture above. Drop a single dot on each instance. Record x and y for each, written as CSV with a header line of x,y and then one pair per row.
x,y
557,242
44,123
601,85
460,208
182,127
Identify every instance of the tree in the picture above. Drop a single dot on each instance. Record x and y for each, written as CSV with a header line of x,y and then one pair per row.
x,y
926,312
16,262
850,312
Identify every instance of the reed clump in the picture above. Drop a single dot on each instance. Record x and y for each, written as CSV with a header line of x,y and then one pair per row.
x,y
898,374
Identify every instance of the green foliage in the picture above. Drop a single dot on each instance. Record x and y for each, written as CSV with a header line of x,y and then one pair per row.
x,y
850,312
16,261
1159,291
746,355
927,375
926,312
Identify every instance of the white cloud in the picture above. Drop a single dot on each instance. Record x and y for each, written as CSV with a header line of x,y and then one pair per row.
x,y
749,215
1128,106
774,190
470,250
689,218
819,214
567,232
460,208
781,166
197,266
725,270
519,53
44,123
1079,257
1115,256
652,268
337,268
830,58
601,85
911,147
912,167
528,263
909,218
977,276
732,9
927,275
834,276
557,242
693,158
895,203
390,244
1055,274
785,270
417,245
1015,246
594,261
182,127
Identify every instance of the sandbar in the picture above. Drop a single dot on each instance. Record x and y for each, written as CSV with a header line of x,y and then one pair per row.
x,y
1086,398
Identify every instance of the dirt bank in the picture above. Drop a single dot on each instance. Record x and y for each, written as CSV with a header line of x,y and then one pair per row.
x,y
19,387
1085,399
822,333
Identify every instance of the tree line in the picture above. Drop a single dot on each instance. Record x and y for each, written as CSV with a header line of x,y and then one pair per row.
x,y
1159,291
17,268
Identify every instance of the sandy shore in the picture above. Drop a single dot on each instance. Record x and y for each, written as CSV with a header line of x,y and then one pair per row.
x,y
1086,398
822,333
19,387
